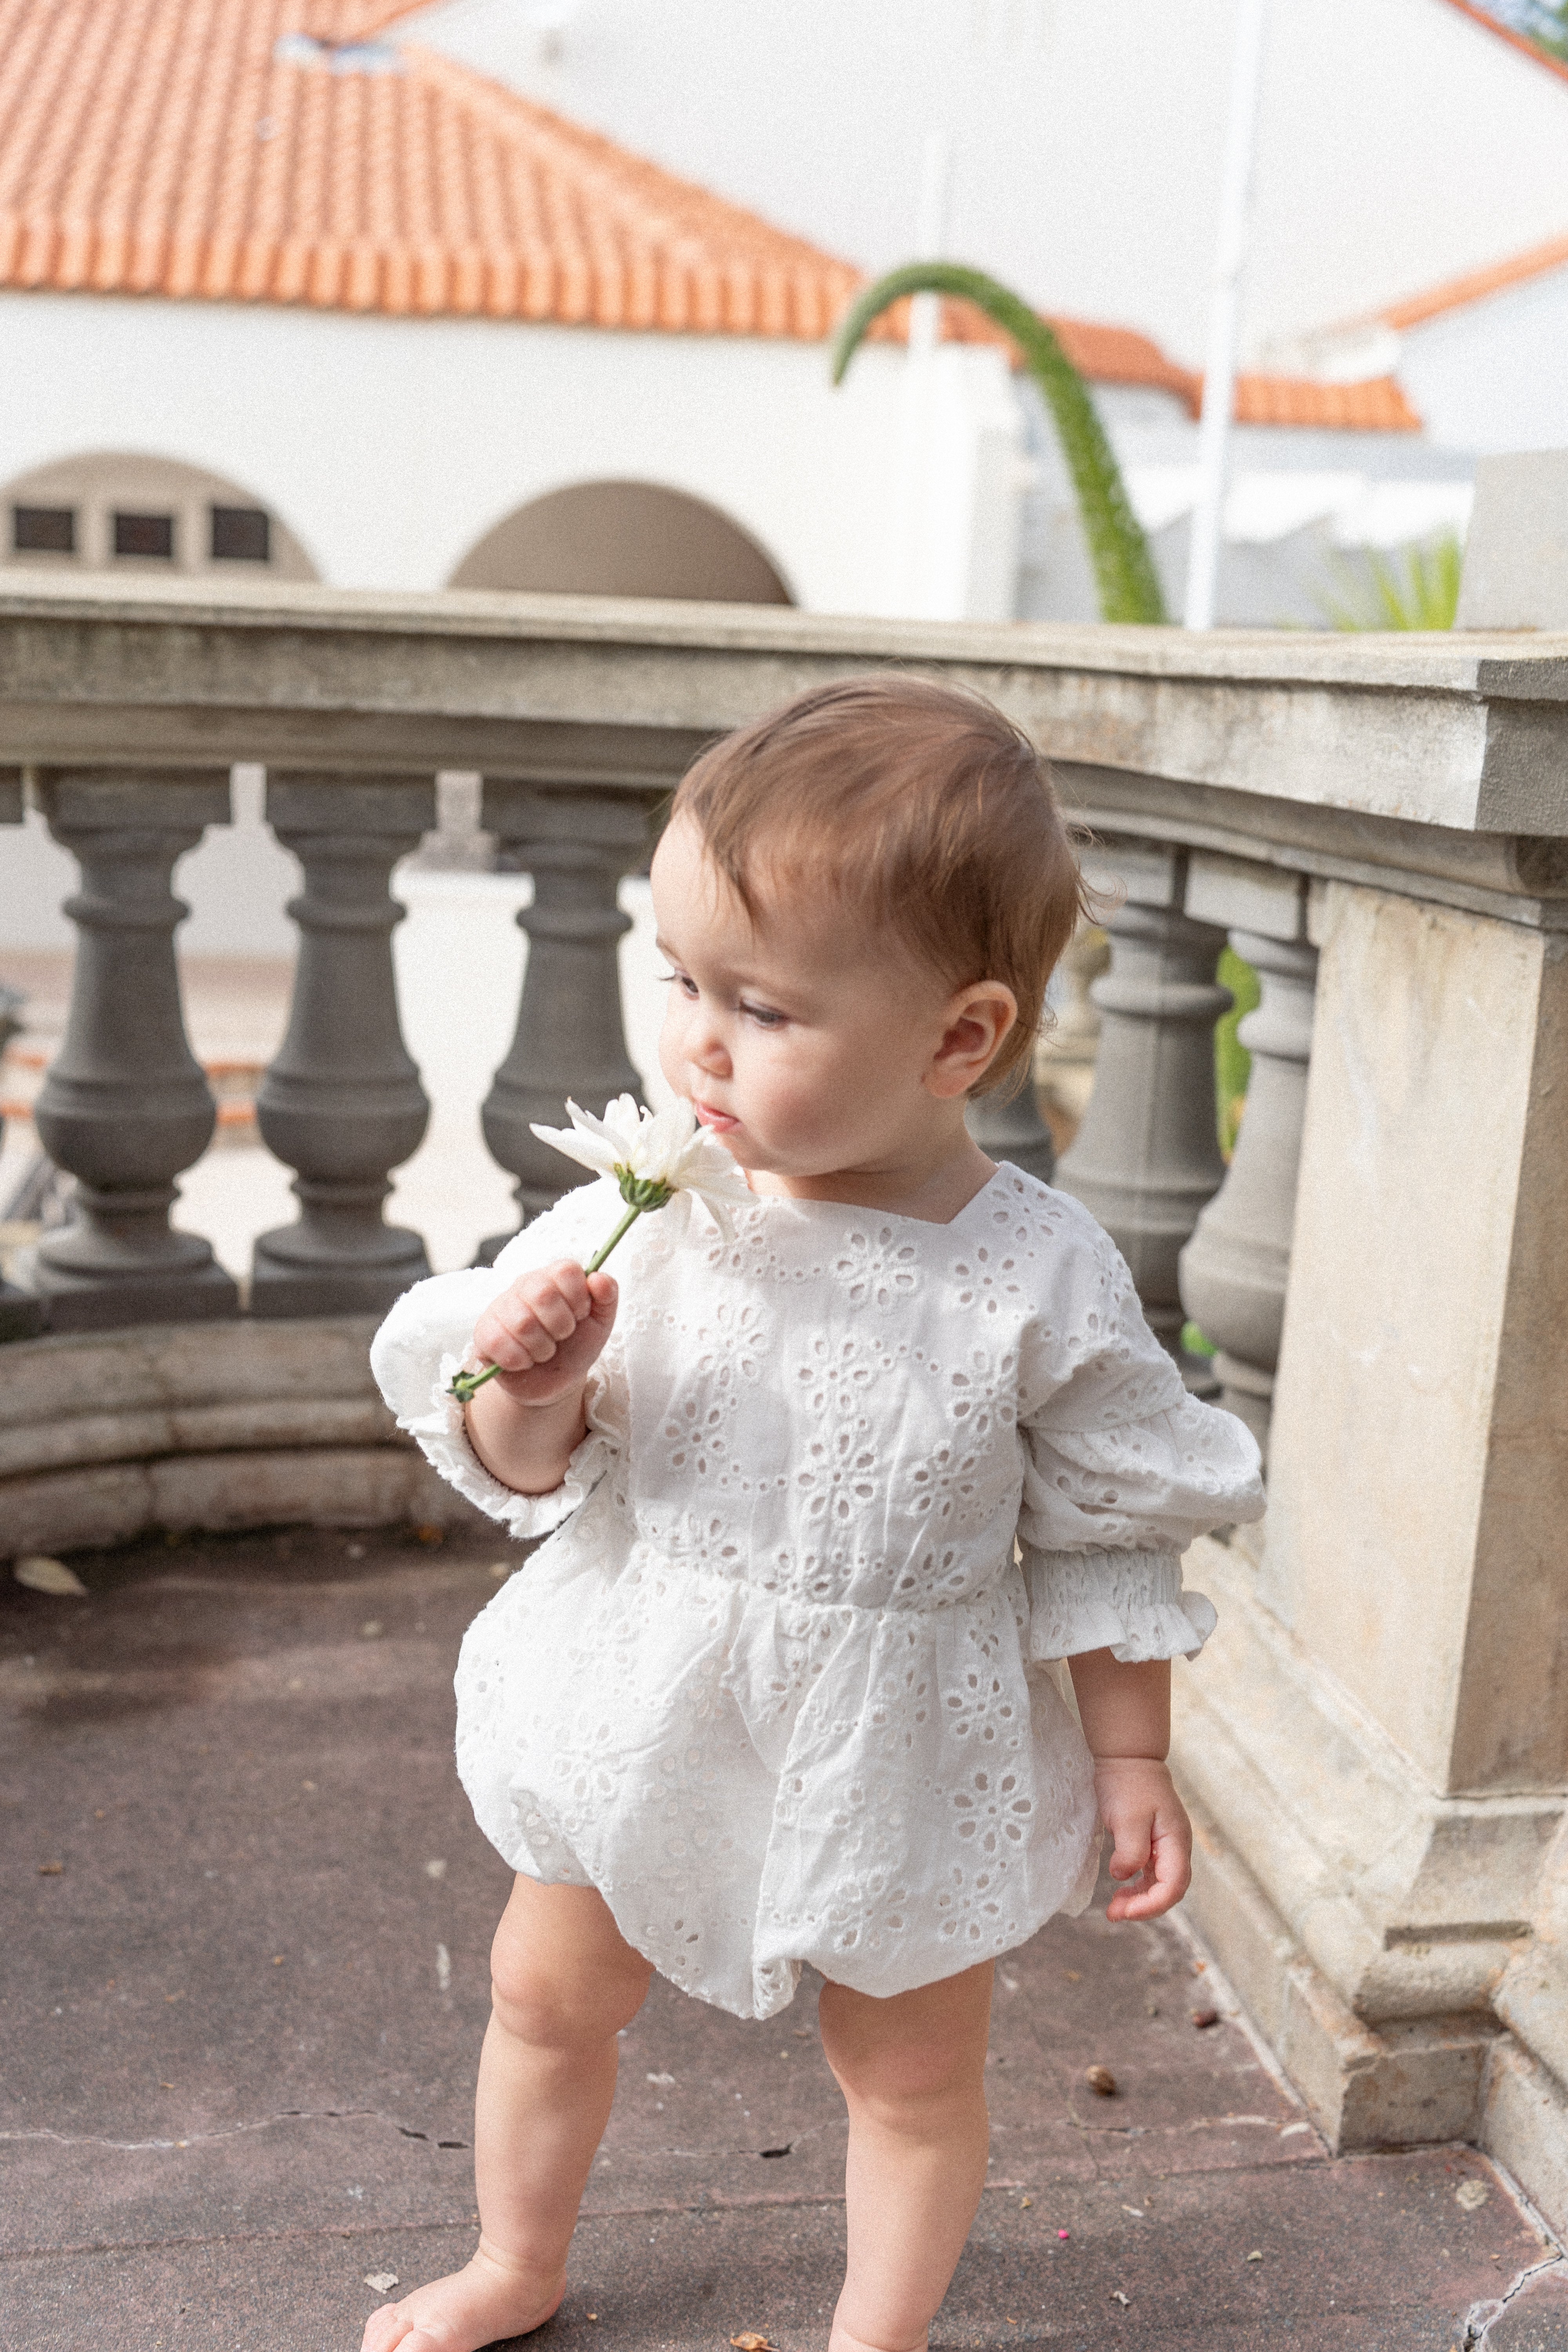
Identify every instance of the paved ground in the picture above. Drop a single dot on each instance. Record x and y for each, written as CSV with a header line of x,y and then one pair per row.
x,y
246,1926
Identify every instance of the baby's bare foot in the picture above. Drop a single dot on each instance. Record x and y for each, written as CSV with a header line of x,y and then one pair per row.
x,y
482,2304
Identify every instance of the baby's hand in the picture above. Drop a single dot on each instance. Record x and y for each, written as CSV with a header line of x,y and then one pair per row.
x,y
1154,1850
546,1332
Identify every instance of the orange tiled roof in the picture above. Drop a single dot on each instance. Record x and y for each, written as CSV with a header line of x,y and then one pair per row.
x,y
1515,40
166,147
224,150
1476,284
1377,405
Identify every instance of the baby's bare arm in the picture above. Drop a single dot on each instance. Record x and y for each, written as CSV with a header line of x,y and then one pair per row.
x,y
1126,1716
545,1333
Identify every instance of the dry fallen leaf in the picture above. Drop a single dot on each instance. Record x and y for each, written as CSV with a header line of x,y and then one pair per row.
x,y
749,2341
51,1869
1073,1975
1471,2194
1101,2079
383,2280
1256,2255
39,1573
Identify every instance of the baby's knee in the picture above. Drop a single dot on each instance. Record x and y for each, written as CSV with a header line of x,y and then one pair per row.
x,y
562,2008
894,2084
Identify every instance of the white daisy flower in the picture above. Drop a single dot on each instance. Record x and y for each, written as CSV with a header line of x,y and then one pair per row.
x,y
652,1155
655,1156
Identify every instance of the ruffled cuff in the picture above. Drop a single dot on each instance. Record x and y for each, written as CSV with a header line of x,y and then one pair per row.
x,y
442,1438
1132,1603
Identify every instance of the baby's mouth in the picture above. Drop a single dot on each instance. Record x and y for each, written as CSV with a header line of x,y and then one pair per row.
x,y
719,1121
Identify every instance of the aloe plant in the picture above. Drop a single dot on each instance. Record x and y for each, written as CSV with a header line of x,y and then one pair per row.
x,y
1125,577
1421,594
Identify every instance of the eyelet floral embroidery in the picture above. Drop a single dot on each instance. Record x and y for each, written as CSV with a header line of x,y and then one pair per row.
x,y
773,1684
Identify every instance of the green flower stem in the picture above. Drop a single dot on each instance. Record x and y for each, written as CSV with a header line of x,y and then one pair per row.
x,y
464,1383
628,1221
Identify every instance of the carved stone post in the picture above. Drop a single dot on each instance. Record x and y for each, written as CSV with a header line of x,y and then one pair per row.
x,y
1233,1270
570,1039
21,1315
1147,1157
343,1103
126,1107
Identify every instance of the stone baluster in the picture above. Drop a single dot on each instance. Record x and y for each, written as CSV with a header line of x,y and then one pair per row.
x,y
1065,1059
570,1039
343,1104
126,1107
1147,1158
21,1315
1233,1270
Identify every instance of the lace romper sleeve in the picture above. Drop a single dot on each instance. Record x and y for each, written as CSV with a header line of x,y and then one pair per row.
x,y
428,1336
1122,1470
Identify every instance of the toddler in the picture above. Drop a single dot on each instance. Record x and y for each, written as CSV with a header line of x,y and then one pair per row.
x,y
831,1492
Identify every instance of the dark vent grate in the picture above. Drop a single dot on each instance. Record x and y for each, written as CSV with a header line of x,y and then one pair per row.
x,y
144,534
241,535
43,530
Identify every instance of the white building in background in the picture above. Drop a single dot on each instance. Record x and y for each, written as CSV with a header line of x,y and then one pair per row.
x,y
423,332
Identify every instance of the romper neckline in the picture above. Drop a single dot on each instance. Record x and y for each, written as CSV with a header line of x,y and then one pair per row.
x,y
888,1216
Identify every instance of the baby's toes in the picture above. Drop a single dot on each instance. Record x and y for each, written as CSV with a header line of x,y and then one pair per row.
x,y
385,2328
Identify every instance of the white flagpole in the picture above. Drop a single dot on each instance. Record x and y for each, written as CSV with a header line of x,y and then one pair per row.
x,y
920,386
1224,315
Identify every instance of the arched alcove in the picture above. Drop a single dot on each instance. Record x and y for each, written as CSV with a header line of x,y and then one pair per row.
x,y
123,510
623,539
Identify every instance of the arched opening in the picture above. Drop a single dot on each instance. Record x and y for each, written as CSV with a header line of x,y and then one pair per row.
x,y
623,539
121,510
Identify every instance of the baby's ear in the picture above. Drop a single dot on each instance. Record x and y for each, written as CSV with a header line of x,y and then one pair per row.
x,y
976,1022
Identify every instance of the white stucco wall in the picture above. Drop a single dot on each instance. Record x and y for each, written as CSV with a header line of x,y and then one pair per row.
x,y
1493,377
389,445
1399,142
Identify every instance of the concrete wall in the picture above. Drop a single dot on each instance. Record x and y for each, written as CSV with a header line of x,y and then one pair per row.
x,y
1490,376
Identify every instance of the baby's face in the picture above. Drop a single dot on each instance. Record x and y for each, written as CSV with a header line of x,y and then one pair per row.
x,y
807,1046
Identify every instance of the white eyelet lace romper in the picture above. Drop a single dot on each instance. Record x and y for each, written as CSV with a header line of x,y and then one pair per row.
x,y
777,1684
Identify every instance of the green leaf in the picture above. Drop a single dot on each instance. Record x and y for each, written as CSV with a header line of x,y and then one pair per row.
x,y
1125,577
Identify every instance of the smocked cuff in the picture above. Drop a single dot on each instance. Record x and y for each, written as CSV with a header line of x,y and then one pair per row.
x,y
442,1438
1132,1603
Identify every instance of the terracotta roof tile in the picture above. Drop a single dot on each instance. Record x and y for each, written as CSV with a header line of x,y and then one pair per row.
x,y
239,151
1476,284
1515,40
1376,405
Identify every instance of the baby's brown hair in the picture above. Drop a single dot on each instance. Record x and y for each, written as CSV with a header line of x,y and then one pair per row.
x,y
926,808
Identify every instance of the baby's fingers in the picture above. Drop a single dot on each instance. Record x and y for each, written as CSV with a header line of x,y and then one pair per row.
x,y
1165,1874
528,1323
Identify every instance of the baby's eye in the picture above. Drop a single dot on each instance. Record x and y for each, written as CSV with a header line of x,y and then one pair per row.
x,y
683,979
763,1015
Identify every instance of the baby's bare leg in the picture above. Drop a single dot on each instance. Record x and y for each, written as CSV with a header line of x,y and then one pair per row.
x,y
912,2071
564,1981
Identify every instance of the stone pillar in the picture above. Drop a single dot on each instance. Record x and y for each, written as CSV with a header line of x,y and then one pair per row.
x,y
1066,1056
343,1103
1232,1272
1374,1741
1147,1158
126,1107
570,1039
21,1315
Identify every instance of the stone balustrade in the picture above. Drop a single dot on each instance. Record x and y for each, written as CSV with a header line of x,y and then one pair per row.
x,y
1374,1742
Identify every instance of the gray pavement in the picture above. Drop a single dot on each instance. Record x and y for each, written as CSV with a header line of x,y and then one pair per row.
x,y
247,1917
